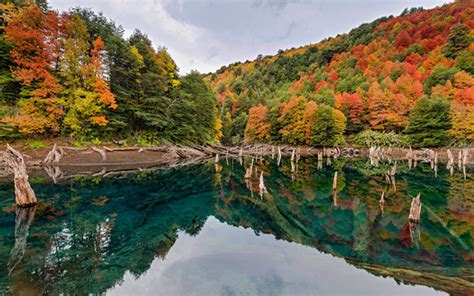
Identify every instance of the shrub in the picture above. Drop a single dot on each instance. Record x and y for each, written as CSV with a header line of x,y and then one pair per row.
x,y
369,138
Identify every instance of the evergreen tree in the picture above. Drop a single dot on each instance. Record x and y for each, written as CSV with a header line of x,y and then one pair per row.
x,y
193,111
429,122
458,40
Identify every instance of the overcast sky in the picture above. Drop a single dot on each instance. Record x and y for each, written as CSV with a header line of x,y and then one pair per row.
x,y
206,34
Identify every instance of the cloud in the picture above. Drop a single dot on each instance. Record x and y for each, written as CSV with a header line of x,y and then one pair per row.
x,y
206,34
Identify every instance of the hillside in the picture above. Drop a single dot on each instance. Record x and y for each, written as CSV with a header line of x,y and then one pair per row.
x,y
410,75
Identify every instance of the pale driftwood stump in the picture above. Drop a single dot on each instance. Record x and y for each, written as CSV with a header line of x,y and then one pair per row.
x,y
25,195
415,210
54,155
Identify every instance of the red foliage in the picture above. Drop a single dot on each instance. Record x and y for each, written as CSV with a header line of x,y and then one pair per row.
x,y
403,39
37,48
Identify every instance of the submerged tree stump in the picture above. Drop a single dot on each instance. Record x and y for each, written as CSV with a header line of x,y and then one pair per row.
x,y
415,209
261,185
25,195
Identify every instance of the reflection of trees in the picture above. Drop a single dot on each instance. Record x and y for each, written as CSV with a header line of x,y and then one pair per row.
x,y
108,227
23,219
94,230
303,211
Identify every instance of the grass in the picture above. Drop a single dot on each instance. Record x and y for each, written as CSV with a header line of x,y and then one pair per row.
x,y
36,144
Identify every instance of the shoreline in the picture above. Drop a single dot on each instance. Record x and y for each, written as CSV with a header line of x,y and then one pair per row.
x,y
106,159
114,155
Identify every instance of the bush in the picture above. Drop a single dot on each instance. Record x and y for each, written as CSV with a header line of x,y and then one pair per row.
x,y
369,138
96,141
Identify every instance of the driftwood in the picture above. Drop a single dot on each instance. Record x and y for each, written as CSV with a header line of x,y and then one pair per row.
x,y
55,154
101,152
248,171
382,199
334,182
261,185
25,195
393,171
415,210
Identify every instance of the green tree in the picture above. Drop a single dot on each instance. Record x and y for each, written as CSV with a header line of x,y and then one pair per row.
x,y
193,112
439,75
458,40
429,122
324,130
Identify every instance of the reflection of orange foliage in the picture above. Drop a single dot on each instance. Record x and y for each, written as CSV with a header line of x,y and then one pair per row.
x,y
100,201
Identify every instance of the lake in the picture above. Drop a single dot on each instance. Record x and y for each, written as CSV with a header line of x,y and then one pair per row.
x,y
203,229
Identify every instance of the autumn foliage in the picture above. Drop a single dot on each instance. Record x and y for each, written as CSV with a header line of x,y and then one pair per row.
x,y
75,74
373,76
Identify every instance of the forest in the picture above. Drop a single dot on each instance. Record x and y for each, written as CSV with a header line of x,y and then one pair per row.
x,y
73,74
405,80
397,81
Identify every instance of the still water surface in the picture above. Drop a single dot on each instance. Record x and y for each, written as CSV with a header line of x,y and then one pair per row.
x,y
203,230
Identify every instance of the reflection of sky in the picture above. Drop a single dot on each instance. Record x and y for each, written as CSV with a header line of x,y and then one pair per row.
x,y
206,34
226,260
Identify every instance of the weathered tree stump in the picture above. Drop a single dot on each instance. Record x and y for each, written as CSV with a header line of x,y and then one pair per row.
x,y
24,194
382,199
55,154
415,210
261,185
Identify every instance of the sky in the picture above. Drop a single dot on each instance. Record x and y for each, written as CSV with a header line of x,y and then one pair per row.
x,y
204,35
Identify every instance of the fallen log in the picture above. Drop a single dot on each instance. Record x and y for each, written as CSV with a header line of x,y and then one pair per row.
x,y
24,194
101,152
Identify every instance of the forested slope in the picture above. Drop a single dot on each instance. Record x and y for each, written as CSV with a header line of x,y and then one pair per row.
x,y
410,75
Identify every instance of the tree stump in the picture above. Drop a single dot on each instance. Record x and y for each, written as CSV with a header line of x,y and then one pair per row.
x,y
24,194
415,210
54,155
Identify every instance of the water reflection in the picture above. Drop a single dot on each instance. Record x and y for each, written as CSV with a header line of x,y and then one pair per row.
x,y
89,234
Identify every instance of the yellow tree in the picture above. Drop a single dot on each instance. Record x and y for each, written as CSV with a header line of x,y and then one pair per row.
x,y
89,98
293,124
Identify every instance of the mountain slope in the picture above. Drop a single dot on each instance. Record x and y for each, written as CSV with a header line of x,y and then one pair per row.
x,y
370,78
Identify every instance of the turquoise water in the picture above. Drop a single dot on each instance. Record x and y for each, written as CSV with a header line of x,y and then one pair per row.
x,y
203,230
